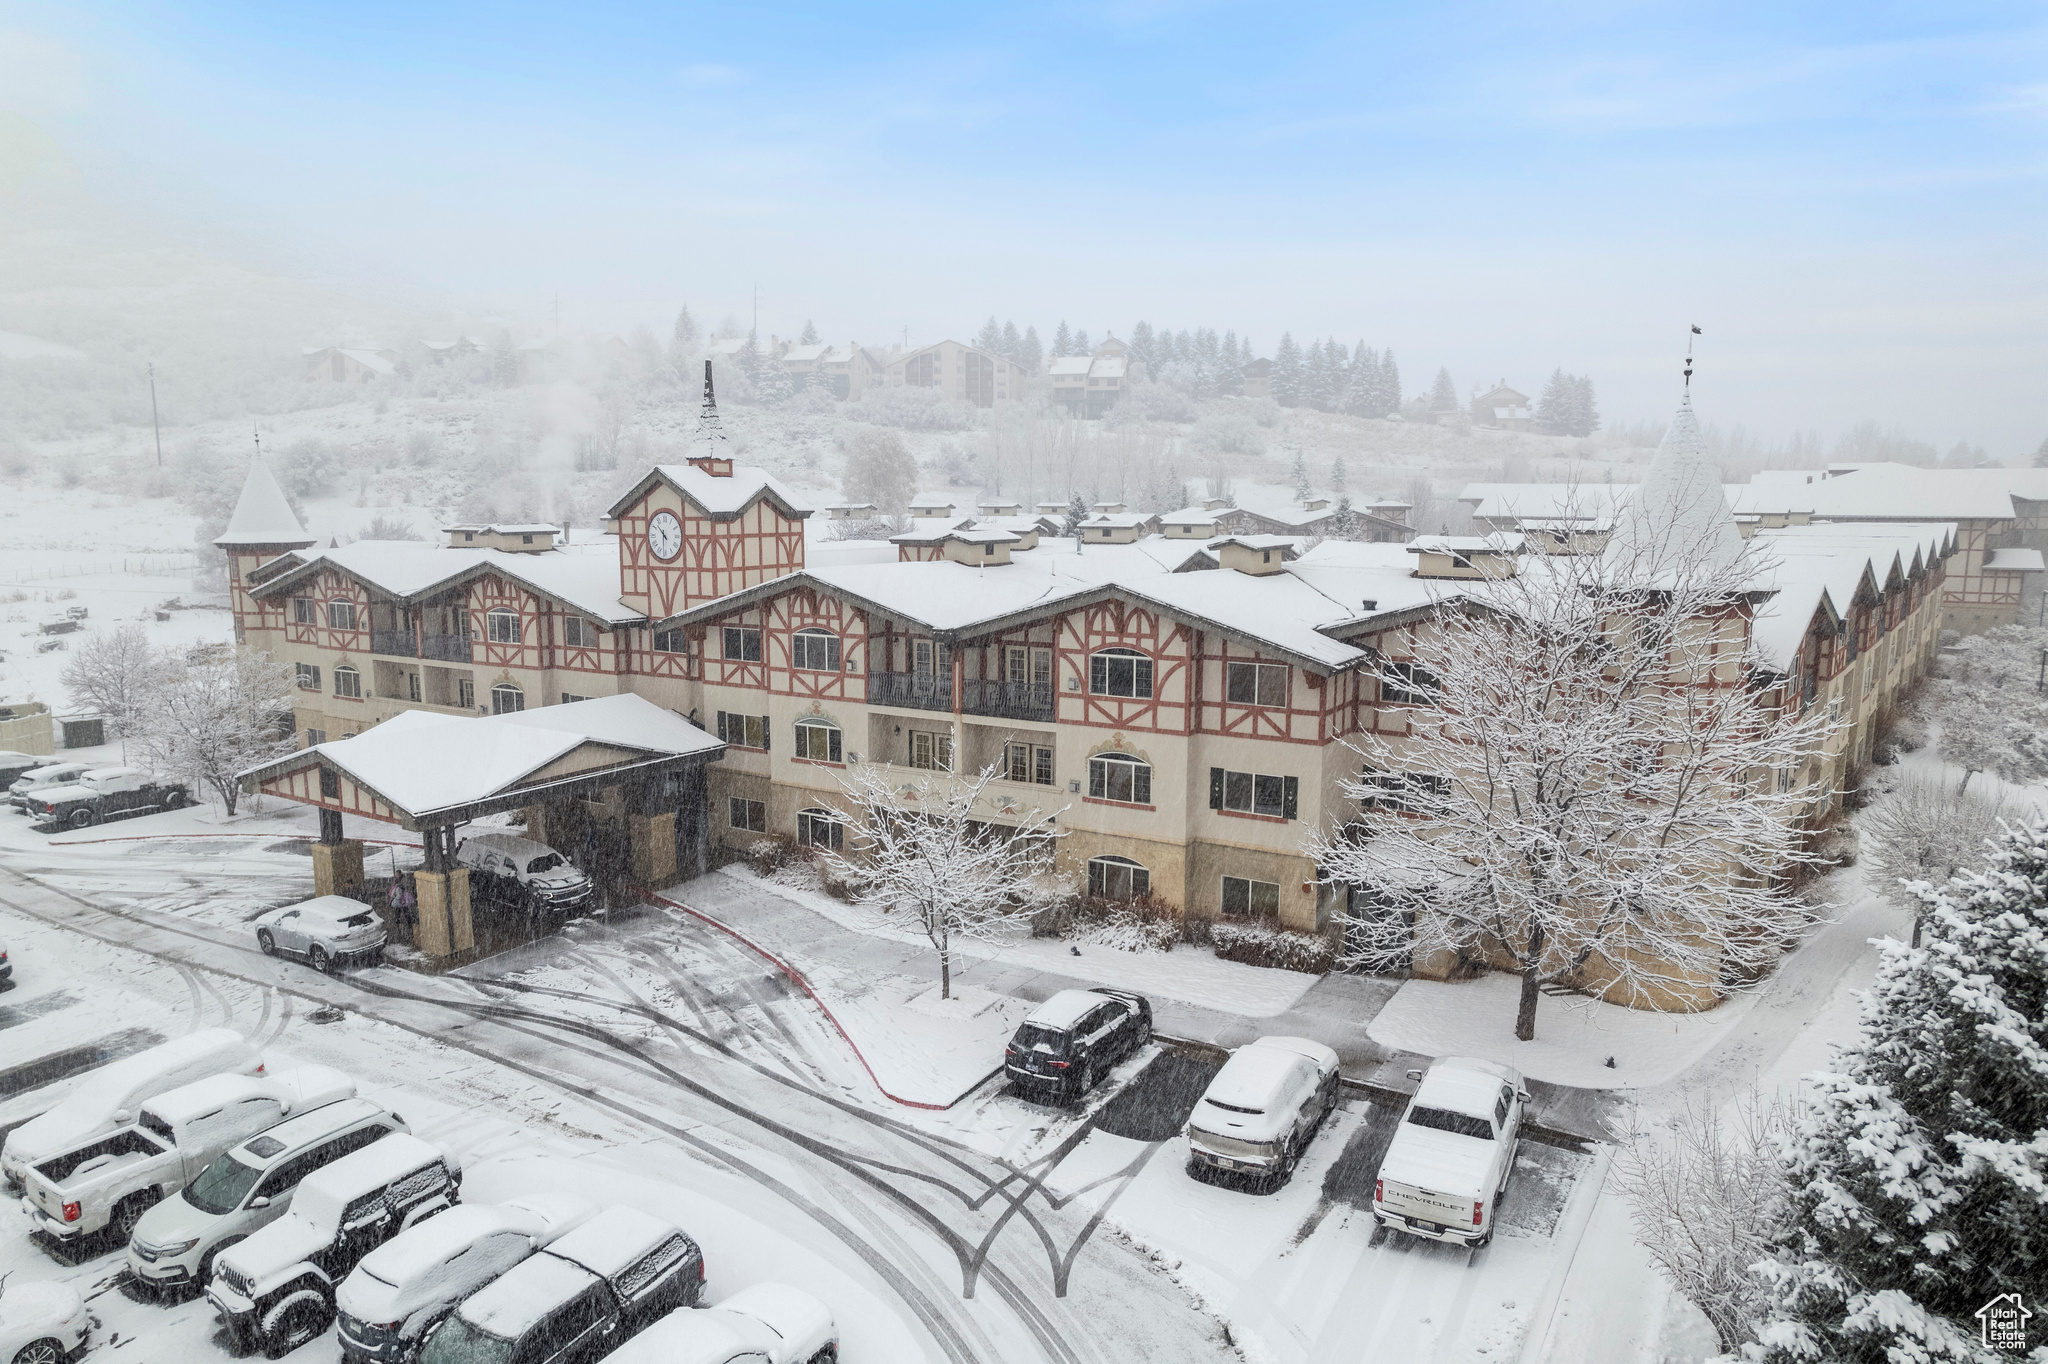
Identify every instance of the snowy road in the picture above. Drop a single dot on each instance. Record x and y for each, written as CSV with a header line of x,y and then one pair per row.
x,y
651,1057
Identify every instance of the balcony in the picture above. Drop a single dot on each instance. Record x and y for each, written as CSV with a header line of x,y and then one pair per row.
x,y
397,643
445,648
1030,701
913,691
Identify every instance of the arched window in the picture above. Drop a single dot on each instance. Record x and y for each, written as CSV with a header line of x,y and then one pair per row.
x,y
506,698
818,740
1118,878
817,828
501,625
348,682
341,614
815,651
1120,777
1120,672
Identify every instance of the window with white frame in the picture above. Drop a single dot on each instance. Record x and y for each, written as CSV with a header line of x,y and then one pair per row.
x,y
671,641
1255,684
465,692
315,737
930,750
1245,898
1120,672
568,698
501,625
303,612
506,698
742,644
1118,878
578,633
308,675
750,815
818,741
1023,665
1028,763
341,615
1254,793
814,650
348,682
743,731
817,828
1120,777
1409,684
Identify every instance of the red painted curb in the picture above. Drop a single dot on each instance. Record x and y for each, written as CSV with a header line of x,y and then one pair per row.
x,y
824,1008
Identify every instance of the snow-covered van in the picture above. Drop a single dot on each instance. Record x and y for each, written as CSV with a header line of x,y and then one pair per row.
x,y
770,1323
176,1242
1449,1162
522,873
109,1182
42,1323
110,1096
1263,1108
23,792
405,1287
578,1298
277,1287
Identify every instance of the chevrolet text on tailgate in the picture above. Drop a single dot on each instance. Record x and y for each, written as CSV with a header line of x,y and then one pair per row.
x,y
1449,1162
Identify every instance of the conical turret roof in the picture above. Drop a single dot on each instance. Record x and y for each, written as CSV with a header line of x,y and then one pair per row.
x,y
262,514
1679,520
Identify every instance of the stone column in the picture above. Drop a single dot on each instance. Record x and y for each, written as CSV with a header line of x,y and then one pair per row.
x,y
338,868
536,817
444,927
653,842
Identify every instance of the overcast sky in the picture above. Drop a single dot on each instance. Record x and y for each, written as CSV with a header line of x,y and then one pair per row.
x,y
1849,199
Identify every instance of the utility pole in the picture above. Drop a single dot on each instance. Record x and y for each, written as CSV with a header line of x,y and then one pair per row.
x,y
757,311
153,425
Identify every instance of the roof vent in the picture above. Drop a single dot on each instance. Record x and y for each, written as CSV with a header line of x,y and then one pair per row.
x,y
1371,604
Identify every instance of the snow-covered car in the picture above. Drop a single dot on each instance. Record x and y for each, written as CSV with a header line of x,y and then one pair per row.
x,y
523,874
770,1323
1073,1039
277,1288
14,766
111,1096
590,1290
107,1183
407,1286
21,793
327,930
1448,1165
1263,1108
176,1243
103,793
41,1323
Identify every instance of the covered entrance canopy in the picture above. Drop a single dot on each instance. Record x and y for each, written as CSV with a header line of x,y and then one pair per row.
x,y
430,772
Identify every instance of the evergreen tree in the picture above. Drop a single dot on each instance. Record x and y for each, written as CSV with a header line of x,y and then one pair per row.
x,y
990,339
1337,488
683,341
1361,383
1554,408
505,361
1230,379
1062,341
1443,395
774,385
1585,415
1918,1171
1303,489
1315,375
810,336
1144,352
1013,344
1286,385
1207,362
2041,454
748,361
1030,353
1390,384
1081,346
1077,512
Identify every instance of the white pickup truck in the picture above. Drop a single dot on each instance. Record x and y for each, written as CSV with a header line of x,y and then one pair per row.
x,y
1448,1165
106,1184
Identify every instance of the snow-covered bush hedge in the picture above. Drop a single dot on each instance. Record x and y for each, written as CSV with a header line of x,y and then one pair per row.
x,y
1265,943
913,409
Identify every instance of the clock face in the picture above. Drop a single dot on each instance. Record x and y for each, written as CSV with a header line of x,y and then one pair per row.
x,y
665,535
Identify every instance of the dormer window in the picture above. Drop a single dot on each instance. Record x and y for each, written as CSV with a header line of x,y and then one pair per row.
x,y
501,626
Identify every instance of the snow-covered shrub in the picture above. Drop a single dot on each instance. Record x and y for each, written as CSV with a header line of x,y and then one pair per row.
x,y
1919,1169
1143,924
880,470
1261,942
1993,718
914,409
1925,829
768,855
1151,402
1227,431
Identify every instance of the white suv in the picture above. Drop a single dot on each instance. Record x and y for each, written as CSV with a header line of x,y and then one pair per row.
x,y
523,874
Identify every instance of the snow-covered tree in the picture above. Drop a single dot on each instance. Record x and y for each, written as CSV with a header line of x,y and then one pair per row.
x,y
1142,350
215,713
1443,394
1232,360
1077,512
1919,1165
1585,794
1285,385
1585,413
989,339
1554,407
775,384
115,675
1992,717
810,336
1303,489
504,361
1927,829
2041,454
683,342
879,469
1013,344
924,847
1062,341
1030,353
1081,346
1390,384
748,361
1706,1193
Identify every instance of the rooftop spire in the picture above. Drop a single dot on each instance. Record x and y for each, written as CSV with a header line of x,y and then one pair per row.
x,y
1678,521
710,450
263,515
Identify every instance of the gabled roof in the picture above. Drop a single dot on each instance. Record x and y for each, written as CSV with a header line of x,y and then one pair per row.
x,y
584,578
721,499
263,516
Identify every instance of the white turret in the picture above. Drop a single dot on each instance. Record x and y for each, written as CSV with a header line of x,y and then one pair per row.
x,y
263,517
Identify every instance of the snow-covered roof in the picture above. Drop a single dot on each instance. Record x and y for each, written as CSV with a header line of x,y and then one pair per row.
x,y
721,498
613,1239
973,535
802,353
1260,542
1069,364
948,500
1190,516
510,1306
421,762
582,577
1255,1078
368,359
323,1194
1807,566
1117,521
1497,543
2013,561
1679,520
1107,367
1066,1008
1465,1085
263,516
1549,502
1901,492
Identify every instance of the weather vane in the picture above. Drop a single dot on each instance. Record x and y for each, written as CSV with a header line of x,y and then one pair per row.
x,y
1688,356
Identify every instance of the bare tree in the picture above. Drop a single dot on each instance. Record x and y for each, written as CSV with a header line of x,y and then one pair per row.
x,y
217,713
1705,1191
1591,792
114,674
1923,831
879,469
928,847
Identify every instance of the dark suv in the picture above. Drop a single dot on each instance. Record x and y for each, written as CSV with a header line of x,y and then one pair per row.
x,y
1073,1039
